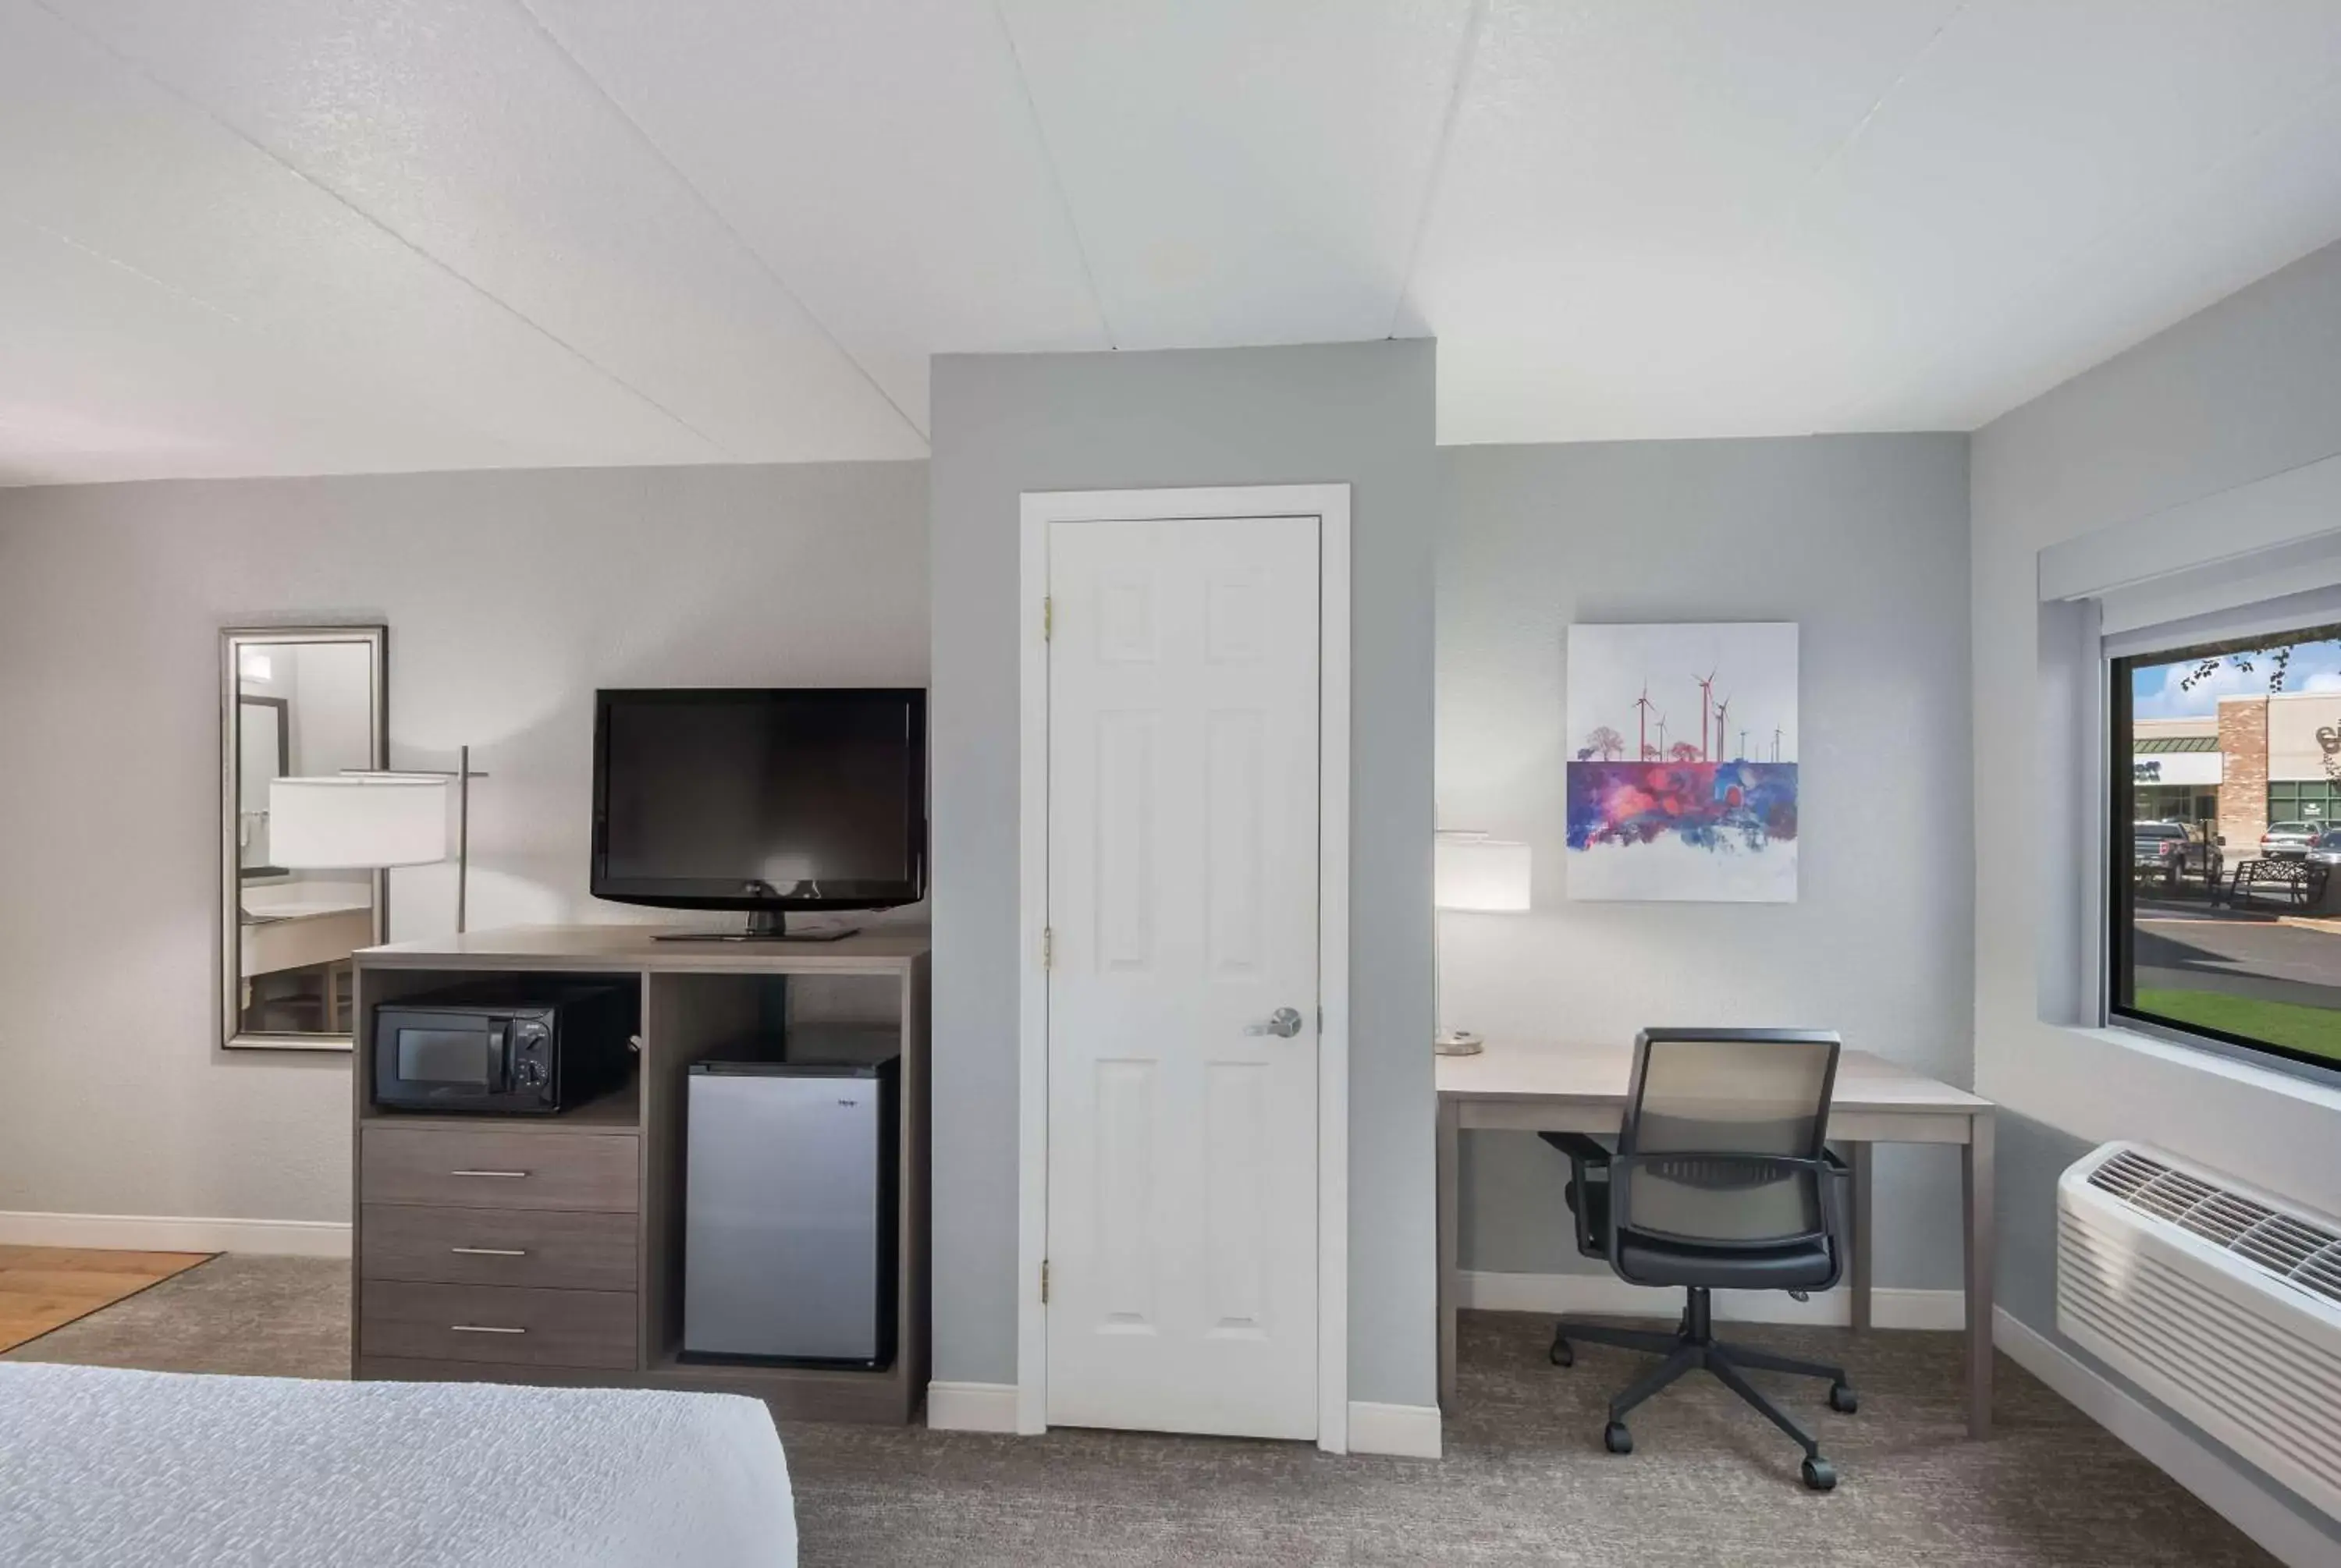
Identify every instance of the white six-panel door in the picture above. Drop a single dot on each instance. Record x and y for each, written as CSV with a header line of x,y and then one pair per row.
x,y
1182,1141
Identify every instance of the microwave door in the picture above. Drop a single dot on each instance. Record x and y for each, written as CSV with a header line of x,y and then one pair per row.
x,y
472,1062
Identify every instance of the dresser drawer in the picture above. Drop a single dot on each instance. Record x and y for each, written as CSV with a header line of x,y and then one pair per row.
x,y
497,1168
545,1247
504,1325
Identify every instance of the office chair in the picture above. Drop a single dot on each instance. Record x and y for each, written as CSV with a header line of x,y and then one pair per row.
x,y
1720,1181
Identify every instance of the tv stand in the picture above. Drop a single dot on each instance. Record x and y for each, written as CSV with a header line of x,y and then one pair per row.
x,y
550,1248
763,926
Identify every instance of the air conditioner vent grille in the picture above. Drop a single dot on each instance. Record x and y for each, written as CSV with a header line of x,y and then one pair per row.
x,y
2126,1172
2282,1244
2321,1273
2225,1218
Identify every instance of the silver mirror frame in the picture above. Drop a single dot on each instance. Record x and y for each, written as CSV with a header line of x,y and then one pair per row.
x,y
233,640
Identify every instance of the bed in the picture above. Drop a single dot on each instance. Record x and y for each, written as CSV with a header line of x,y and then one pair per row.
x,y
122,1468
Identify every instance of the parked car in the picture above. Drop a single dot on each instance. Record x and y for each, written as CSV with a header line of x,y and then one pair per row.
x,y
2327,850
2289,840
2167,851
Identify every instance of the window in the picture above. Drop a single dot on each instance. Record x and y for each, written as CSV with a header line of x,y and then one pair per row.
x,y
2225,813
2304,800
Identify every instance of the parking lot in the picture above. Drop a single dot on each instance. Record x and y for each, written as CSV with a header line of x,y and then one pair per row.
x,y
2252,972
2243,955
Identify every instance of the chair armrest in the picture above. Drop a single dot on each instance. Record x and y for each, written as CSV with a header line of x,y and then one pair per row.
x,y
1582,1149
1588,1189
1836,1217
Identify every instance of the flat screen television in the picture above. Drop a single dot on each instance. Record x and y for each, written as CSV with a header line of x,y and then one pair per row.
x,y
763,802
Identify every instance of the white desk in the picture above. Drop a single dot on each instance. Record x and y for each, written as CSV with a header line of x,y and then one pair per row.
x,y
1582,1090
295,936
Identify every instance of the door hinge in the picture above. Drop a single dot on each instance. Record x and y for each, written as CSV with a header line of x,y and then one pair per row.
x,y
1044,1282
1048,617
1048,947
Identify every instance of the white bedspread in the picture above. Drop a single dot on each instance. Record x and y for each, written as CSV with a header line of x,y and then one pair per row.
x,y
121,1468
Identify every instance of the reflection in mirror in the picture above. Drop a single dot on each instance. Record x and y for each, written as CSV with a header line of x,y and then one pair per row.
x,y
299,702
262,754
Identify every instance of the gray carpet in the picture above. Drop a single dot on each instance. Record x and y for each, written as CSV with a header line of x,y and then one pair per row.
x,y
1525,1480
263,1317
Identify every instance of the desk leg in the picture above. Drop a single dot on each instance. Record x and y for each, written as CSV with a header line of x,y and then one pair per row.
x,y
1976,1173
1450,1156
1865,1210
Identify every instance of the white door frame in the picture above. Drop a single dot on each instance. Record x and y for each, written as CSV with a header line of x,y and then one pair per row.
x,y
1329,504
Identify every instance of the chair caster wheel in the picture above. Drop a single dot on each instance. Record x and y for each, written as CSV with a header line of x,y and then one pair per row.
x,y
1843,1399
1561,1354
1617,1439
1820,1475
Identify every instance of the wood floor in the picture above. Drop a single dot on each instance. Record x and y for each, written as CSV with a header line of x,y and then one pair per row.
x,y
46,1288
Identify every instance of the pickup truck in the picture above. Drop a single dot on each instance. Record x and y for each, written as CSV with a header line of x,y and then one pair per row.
x,y
2167,851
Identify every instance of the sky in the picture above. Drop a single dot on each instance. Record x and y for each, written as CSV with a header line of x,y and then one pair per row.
x,y
2155,691
1754,664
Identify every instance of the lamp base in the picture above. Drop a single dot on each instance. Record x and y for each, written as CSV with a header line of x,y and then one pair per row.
x,y
1458,1043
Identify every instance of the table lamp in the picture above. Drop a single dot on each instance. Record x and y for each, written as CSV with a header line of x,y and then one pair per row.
x,y
361,821
1470,870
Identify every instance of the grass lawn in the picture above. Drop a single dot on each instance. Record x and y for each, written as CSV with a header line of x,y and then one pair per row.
x,y
2316,1030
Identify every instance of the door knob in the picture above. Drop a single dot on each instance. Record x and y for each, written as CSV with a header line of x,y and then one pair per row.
x,y
1285,1023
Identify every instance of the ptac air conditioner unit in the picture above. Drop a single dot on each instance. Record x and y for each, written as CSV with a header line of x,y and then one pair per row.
x,y
2222,1301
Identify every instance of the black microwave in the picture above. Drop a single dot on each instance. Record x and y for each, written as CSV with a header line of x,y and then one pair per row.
x,y
497,1050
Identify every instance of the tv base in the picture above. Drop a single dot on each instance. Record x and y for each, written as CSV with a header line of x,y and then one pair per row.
x,y
763,926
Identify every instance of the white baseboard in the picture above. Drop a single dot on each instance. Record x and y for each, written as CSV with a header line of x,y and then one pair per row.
x,y
1607,1295
2233,1493
972,1407
157,1232
1408,1431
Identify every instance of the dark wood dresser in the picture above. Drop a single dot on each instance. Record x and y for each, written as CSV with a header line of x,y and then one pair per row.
x,y
549,1248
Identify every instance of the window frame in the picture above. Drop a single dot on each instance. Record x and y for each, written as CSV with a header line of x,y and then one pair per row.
x,y
2117,921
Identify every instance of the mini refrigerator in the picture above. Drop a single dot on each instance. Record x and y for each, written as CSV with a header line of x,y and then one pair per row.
x,y
789,1212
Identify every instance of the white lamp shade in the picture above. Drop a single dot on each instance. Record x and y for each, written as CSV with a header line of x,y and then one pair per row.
x,y
357,823
1471,871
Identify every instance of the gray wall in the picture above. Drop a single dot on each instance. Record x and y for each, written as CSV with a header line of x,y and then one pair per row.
x,y
509,596
2240,392
1862,541
1002,424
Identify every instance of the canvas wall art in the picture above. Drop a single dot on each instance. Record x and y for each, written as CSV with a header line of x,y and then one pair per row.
x,y
1682,762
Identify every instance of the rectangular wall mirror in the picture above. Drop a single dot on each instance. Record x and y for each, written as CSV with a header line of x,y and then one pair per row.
x,y
299,702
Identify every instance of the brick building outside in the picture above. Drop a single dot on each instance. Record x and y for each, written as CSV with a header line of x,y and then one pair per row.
x,y
2262,759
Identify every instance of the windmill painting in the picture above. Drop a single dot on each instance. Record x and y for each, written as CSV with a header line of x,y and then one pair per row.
x,y
1682,762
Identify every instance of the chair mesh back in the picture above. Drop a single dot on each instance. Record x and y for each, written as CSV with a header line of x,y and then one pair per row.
x,y
1723,1103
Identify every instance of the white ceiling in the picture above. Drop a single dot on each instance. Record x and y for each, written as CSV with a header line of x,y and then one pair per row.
x,y
316,236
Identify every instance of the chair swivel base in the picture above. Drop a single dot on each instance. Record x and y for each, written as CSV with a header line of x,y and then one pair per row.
x,y
1693,1346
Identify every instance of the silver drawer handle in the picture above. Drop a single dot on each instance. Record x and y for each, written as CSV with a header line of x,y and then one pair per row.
x,y
491,1251
481,1328
507,1176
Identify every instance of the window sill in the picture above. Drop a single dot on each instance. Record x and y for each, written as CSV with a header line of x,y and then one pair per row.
x,y
2307,1090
